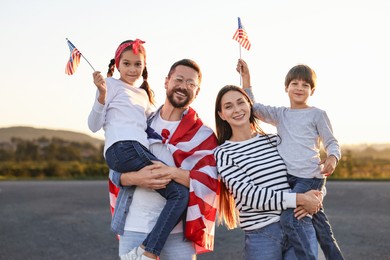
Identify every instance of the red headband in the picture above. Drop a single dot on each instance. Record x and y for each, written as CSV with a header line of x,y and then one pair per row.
x,y
136,45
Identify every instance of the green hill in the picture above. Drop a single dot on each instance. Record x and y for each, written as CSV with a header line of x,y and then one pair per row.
x,y
31,133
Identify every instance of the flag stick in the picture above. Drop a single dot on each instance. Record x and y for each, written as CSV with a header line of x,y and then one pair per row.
x,y
83,56
240,66
87,61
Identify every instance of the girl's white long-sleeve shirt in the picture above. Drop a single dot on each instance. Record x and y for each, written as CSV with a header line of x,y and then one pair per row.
x,y
123,116
256,175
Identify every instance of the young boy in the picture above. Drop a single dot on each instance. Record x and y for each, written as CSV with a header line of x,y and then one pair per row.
x,y
302,128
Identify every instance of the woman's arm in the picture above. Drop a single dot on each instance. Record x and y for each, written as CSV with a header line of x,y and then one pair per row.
x,y
246,193
262,198
254,196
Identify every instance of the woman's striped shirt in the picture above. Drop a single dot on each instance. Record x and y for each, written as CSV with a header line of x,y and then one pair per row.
x,y
256,175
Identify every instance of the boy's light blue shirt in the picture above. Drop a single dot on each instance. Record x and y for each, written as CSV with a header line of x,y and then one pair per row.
x,y
301,132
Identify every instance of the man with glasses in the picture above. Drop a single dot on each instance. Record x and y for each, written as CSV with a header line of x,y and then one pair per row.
x,y
180,139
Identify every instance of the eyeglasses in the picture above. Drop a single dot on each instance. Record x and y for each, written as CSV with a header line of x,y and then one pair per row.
x,y
189,82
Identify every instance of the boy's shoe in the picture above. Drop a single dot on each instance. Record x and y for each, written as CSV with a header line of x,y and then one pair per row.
x,y
132,255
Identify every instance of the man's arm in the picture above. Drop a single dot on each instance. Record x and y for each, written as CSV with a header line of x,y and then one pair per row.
x,y
177,174
148,177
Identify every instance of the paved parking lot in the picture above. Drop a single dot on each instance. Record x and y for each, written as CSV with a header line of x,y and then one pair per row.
x,y
70,220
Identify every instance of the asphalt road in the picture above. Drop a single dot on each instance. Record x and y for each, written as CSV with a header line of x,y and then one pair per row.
x,y
70,220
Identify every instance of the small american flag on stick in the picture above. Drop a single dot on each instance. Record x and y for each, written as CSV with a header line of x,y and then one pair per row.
x,y
241,36
74,59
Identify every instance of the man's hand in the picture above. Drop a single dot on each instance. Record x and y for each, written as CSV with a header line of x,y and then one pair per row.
x,y
148,177
176,174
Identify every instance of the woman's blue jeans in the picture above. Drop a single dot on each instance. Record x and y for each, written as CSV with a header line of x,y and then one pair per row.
x,y
127,156
268,243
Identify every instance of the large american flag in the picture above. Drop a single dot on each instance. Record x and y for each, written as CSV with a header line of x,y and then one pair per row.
x,y
192,146
241,36
74,59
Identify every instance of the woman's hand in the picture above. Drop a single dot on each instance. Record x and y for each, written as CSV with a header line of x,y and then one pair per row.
x,y
311,201
100,83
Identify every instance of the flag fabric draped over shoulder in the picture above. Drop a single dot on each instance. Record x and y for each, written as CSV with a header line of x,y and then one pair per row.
x,y
74,59
241,36
192,146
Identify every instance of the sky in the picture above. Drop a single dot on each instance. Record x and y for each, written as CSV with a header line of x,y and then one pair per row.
x,y
346,42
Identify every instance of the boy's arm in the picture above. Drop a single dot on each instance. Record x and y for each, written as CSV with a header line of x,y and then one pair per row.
x,y
243,69
267,114
330,144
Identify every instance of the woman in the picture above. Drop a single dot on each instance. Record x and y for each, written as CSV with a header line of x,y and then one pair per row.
x,y
254,188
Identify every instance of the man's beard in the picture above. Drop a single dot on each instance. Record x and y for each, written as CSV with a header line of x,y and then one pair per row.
x,y
182,104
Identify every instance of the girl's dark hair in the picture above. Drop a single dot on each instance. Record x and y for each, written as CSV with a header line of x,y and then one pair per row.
x,y
111,68
145,85
224,130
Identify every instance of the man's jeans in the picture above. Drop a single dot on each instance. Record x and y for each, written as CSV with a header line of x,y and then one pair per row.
x,y
127,156
176,248
301,240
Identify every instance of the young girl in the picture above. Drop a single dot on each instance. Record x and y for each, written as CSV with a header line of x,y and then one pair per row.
x,y
254,180
121,109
